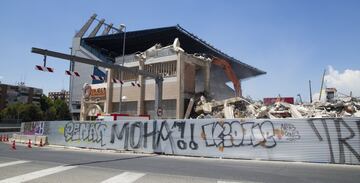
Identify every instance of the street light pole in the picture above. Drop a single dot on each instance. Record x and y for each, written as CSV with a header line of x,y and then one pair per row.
x,y
72,64
123,28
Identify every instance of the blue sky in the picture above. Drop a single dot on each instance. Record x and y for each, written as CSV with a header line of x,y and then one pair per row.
x,y
293,41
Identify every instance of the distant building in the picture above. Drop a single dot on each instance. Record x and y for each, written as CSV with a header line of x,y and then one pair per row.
x,y
331,94
11,94
62,95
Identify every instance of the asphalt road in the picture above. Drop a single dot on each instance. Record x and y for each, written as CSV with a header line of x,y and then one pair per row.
x,y
57,164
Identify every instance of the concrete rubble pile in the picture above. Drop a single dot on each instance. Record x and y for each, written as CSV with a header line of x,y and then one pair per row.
x,y
243,108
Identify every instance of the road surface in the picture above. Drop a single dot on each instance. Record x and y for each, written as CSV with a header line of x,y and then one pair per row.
x,y
57,164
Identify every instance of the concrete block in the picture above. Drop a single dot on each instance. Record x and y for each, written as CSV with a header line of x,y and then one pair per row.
x,y
35,139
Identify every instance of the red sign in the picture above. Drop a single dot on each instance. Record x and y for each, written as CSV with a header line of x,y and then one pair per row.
x,y
269,101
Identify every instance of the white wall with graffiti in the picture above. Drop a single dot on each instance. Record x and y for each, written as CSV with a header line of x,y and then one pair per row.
x,y
312,140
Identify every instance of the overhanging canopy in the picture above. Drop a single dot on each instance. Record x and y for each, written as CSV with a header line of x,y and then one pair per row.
x,y
111,45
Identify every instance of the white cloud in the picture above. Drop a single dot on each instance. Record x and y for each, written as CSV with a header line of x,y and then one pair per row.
x,y
344,82
1,77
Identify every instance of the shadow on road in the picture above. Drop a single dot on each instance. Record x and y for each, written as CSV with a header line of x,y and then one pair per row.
x,y
111,160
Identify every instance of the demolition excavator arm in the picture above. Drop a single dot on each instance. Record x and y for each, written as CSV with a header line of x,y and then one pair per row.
x,y
229,73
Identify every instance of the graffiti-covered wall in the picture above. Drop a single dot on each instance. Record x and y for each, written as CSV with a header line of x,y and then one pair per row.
x,y
34,128
312,140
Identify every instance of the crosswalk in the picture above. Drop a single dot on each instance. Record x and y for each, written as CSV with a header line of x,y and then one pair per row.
x,y
126,177
12,163
37,174
27,171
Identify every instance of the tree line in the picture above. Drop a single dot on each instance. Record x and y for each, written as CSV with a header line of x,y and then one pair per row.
x,y
48,110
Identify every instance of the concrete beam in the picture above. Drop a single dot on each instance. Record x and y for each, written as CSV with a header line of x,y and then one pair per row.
x,y
192,60
97,63
86,26
97,28
107,29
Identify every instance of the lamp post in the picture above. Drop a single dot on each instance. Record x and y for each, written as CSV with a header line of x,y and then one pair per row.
x,y
72,64
123,29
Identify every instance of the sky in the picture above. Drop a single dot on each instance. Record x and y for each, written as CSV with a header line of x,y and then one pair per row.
x,y
292,40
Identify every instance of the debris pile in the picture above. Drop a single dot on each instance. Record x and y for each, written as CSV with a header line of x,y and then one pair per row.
x,y
238,107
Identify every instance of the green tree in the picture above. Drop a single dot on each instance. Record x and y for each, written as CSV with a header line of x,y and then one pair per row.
x,y
45,103
11,111
30,112
50,114
62,110
1,116
22,112
54,110
47,110
47,106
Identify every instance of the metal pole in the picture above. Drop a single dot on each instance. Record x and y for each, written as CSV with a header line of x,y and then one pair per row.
x,y
71,83
44,60
310,91
322,84
122,64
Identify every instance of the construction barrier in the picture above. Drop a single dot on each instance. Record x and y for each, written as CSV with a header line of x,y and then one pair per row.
x,y
309,140
35,139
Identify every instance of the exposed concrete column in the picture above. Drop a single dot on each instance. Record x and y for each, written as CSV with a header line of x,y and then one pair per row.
x,y
180,87
82,109
141,99
86,26
109,91
97,28
207,77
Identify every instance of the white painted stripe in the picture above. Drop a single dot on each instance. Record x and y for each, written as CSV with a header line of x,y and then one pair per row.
x,y
219,181
12,163
37,174
126,177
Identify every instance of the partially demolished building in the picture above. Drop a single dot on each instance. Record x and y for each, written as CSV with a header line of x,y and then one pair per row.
x,y
190,67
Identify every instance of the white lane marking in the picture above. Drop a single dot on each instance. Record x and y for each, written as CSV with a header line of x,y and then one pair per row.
x,y
37,174
219,181
12,163
126,177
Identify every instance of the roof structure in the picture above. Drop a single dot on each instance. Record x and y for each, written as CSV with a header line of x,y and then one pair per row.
x,y
141,40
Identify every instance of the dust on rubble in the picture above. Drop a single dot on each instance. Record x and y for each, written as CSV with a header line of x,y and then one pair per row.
x,y
239,107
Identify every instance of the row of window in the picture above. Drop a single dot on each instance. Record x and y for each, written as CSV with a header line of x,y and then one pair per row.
x,y
166,69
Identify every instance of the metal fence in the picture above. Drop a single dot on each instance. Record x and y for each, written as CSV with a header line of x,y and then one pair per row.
x,y
310,140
